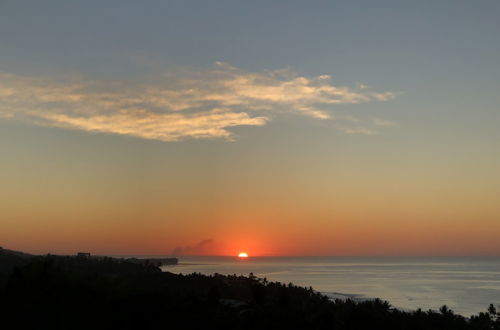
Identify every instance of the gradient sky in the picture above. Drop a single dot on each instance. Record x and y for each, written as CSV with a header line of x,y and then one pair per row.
x,y
274,127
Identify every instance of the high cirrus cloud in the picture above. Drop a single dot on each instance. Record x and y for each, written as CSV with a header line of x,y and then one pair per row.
x,y
199,104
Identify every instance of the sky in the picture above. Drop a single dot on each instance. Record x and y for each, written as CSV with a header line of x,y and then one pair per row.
x,y
271,127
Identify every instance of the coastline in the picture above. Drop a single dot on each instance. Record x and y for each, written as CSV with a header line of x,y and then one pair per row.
x,y
465,284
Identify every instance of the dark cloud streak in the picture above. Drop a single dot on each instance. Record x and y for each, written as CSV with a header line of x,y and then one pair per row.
x,y
203,247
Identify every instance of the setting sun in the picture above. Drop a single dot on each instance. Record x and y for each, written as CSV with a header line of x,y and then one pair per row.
x,y
242,255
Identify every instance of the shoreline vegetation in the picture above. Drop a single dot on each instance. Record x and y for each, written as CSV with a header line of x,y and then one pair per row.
x,y
82,292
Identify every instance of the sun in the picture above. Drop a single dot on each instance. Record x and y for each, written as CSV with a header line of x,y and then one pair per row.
x,y
243,255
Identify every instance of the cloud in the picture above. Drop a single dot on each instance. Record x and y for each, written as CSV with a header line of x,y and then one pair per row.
x,y
172,106
384,123
163,127
370,128
206,246
358,130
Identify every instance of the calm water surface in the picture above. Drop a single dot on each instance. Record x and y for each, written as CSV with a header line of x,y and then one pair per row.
x,y
465,284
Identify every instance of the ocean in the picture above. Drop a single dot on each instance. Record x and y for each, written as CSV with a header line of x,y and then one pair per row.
x,y
467,285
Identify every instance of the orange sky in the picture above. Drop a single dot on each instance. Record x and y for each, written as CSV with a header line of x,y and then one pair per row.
x,y
79,198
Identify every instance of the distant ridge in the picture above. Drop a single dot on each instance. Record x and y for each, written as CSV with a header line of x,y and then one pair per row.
x,y
9,259
16,253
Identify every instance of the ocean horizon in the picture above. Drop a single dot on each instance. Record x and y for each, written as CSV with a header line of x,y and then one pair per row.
x,y
467,285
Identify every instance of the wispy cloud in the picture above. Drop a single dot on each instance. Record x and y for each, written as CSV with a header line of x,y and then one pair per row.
x,y
199,104
358,130
384,123
164,127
